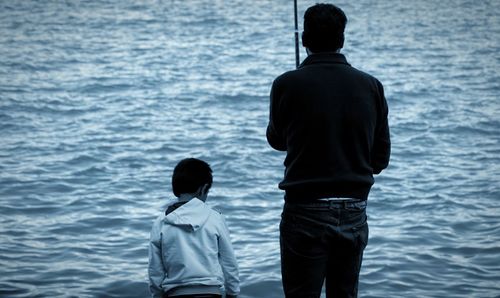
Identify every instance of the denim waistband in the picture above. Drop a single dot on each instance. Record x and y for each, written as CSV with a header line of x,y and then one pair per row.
x,y
352,203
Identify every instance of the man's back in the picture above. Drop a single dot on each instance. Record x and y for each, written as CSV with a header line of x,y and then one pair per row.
x,y
329,117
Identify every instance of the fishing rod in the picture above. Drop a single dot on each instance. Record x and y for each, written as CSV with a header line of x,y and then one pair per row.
x,y
297,59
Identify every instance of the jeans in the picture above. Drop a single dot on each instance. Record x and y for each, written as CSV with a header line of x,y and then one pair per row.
x,y
197,296
322,241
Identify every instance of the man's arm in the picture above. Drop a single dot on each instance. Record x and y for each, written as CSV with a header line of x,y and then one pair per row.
x,y
275,135
381,150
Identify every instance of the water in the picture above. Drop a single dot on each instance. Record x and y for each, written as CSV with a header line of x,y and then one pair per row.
x,y
100,99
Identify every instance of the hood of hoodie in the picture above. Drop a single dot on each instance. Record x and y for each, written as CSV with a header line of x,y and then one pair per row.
x,y
193,215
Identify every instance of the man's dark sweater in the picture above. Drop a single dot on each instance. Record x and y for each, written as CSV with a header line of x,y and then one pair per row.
x,y
332,120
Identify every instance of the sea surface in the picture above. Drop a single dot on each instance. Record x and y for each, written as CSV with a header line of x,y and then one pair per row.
x,y
100,99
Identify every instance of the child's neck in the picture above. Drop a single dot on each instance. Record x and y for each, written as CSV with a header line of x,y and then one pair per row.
x,y
186,197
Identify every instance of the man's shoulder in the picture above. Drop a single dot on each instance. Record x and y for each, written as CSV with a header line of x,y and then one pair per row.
x,y
298,77
288,79
363,74
288,75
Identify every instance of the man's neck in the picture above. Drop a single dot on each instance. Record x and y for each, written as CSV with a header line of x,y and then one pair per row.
x,y
309,52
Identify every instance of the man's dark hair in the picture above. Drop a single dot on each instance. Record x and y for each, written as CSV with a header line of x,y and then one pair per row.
x,y
189,175
324,26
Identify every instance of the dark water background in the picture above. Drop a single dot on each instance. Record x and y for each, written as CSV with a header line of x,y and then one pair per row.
x,y
100,99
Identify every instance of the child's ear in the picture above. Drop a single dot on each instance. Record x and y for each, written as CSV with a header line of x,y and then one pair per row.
x,y
204,190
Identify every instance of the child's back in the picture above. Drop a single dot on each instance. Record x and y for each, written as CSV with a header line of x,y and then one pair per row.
x,y
190,251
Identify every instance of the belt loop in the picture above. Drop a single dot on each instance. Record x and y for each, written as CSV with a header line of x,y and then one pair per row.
x,y
331,204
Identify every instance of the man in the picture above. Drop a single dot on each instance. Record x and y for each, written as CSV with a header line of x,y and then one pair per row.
x,y
331,119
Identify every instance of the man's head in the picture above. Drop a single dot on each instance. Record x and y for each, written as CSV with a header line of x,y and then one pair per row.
x,y
191,176
324,26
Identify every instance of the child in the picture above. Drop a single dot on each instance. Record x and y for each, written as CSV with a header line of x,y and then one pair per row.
x,y
190,253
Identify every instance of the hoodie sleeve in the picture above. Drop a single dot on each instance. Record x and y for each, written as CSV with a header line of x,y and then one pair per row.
x,y
156,271
227,261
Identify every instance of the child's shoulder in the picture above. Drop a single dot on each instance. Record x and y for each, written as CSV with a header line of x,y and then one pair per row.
x,y
216,209
217,214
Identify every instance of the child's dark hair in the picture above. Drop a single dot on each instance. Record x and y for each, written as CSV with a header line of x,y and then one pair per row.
x,y
324,26
189,175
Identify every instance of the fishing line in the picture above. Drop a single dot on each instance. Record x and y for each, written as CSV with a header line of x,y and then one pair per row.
x,y
297,59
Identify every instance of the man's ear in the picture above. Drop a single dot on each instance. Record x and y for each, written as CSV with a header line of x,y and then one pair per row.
x,y
304,39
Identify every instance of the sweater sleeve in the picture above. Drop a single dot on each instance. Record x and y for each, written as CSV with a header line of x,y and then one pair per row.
x,y
381,150
156,271
228,262
275,134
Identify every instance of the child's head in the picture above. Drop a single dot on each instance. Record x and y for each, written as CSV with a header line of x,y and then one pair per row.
x,y
192,176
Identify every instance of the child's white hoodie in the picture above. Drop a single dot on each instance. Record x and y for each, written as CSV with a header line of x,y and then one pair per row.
x,y
191,247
